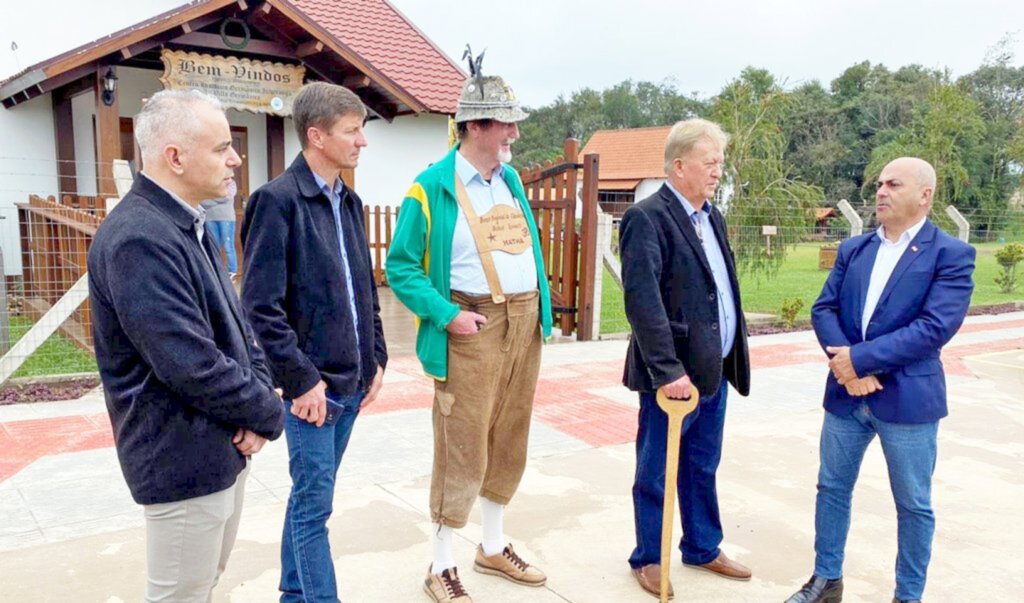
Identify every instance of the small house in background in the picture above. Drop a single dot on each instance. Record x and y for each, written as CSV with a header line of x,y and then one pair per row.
x,y
632,165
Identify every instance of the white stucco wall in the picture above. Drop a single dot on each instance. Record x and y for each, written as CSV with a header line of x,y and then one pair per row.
x,y
83,110
647,187
396,154
26,167
256,126
397,151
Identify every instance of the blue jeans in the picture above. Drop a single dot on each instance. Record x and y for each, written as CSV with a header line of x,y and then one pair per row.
x,y
909,450
223,231
314,455
699,454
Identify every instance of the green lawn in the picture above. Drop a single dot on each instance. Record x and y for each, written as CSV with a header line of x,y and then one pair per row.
x,y
799,277
57,356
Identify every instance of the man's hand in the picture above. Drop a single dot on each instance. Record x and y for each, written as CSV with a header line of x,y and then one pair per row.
x,y
841,363
371,394
864,386
678,389
312,405
466,323
247,442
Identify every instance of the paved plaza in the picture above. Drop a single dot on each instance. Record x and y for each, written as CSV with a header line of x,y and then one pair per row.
x,y
70,531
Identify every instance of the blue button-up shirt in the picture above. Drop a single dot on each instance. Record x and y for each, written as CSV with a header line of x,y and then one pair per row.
x,y
335,195
701,220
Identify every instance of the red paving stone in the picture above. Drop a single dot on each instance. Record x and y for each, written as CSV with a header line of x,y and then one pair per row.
x,y
23,442
562,401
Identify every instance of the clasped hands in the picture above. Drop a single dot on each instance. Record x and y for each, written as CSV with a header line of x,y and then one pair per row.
x,y
841,366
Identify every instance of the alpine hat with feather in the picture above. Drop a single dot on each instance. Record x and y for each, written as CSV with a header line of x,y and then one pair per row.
x,y
486,97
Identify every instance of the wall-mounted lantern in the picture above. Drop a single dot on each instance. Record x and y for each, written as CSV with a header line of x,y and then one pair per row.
x,y
109,86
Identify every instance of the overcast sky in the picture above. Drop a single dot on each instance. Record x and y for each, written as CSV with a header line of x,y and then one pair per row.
x,y
547,47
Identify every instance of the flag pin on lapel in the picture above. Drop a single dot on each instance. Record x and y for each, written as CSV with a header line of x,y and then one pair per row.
x,y
914,248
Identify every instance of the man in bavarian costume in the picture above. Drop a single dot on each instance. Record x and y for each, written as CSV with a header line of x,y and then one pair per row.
x,y
465,258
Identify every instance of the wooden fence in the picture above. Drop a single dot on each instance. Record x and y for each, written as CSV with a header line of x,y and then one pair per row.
x,y
56,236
55,239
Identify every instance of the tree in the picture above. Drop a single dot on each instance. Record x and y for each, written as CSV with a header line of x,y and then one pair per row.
x,y
998,88
944,132
626,105
763,190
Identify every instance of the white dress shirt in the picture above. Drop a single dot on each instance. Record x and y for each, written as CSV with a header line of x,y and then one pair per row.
x,y
517,273
889,255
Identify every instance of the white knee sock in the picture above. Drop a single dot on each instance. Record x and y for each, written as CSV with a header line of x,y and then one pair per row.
x,y
444,548
492,516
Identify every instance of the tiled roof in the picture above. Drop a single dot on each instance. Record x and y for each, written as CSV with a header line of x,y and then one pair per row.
x,y
631,154
384,37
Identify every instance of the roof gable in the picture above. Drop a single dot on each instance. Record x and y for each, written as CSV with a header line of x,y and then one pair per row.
x,y
406,71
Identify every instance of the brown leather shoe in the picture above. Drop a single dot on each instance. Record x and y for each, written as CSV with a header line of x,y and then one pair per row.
x,y
725,567
510,566
446,587
649,578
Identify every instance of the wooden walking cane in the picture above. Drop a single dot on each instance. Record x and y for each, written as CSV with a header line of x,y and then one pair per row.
x,y
676,410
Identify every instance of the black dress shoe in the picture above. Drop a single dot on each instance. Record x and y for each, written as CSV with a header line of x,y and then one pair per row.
x,y
819,590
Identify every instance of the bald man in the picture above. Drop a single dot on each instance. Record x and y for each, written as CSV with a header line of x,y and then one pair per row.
x,y
893,299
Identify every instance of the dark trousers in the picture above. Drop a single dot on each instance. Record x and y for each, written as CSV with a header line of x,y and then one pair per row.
x,y
699,454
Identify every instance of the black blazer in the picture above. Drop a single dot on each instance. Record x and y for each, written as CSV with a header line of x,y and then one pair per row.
x,y
671,300
180,368
294,289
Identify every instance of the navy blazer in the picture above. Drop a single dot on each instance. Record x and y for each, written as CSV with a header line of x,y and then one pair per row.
x,y
921,308
294,289
671,300
180,368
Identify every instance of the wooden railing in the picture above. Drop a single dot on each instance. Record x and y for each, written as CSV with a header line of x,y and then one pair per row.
x,y
569,249
55,240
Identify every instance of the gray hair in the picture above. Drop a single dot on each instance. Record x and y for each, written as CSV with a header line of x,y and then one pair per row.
x,y
687,133
319,105
169,116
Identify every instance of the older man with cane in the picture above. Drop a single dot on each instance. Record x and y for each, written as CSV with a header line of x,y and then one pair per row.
x,y
682,301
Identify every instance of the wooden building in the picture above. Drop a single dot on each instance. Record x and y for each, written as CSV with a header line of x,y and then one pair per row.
x,y
66,119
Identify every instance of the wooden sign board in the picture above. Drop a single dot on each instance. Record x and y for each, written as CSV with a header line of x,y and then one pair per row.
x,y
243,84
769,231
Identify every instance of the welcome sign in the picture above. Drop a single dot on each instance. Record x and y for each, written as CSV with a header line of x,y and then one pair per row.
x,y
243,84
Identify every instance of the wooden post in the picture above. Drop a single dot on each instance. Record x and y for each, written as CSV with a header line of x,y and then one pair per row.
x,y
275,146
108,137
64,134
588,251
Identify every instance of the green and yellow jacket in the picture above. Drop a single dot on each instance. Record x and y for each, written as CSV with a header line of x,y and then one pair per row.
x,y
419,259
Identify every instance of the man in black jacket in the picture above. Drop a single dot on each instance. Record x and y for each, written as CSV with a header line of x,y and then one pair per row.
x,y
189,396
682,301
308,289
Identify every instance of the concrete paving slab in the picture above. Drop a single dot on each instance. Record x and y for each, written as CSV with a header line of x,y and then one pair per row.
x,y
71,532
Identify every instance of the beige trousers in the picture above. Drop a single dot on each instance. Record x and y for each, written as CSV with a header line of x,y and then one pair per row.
x,y
188,543
482,412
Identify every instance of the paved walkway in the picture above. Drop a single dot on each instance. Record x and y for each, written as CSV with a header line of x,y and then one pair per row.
x,y
70,531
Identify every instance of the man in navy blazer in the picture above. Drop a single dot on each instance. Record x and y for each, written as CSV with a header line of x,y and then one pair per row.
x,y
683,304
893,299
188,391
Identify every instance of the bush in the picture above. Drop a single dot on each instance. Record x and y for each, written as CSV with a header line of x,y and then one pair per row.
x,y
1008,257
789,311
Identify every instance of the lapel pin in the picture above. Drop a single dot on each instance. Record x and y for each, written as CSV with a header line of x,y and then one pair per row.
x,y
914,248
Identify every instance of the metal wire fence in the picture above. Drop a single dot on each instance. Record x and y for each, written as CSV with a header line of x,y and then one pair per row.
x,y
44,242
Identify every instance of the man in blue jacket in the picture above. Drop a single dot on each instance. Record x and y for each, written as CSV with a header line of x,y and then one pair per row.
x,y
189,396
309,291
893,299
